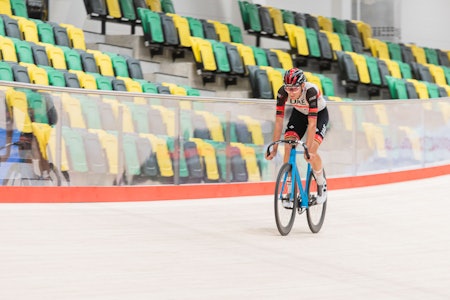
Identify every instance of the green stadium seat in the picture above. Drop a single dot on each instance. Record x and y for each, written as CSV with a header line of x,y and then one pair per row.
x,y
260,56
196,27
221,57
151,25
147,87
23,51
235,33
119,64
339,26
19,8
55,77
313,43
73,58
327,85
374,72
6,71
127,9
432,56
395,51
103,82
250,16
346,42
288,16
405,70
167,6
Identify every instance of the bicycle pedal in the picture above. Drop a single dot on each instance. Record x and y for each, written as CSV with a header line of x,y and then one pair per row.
x,y
287,204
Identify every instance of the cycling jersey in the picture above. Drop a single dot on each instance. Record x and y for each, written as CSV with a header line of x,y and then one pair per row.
x,y
309,103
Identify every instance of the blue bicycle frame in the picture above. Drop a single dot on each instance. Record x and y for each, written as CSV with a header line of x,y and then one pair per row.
x,y
296,178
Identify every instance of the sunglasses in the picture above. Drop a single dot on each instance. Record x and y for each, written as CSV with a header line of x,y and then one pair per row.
x,y
291,88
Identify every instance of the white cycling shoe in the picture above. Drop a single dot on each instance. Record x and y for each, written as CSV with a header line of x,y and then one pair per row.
x,y
321,194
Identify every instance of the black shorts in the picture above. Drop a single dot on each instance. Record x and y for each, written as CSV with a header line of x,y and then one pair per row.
x,y
298,123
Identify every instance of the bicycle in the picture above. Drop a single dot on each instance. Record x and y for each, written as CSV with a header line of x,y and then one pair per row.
x,y
293,196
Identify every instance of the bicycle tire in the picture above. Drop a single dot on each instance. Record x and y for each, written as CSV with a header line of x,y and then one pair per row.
x,y
284,217
315,214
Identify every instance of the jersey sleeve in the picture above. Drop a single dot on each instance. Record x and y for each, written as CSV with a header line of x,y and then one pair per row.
x,y
281,101
312,98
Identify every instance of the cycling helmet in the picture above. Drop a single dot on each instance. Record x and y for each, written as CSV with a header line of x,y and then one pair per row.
x,y
294,76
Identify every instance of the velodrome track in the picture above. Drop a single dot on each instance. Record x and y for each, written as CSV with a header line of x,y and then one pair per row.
x,y
380,242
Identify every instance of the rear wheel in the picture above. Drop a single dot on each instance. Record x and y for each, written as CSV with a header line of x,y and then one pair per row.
x,y
315,213
284,207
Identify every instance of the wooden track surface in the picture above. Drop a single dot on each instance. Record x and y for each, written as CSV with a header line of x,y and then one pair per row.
x,y
381,242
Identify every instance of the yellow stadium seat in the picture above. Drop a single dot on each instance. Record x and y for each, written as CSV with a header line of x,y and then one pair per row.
x,y
393,68
361,66
52,151
222,31
72,107
56,57
214,125
7,49
114,9
208,154
168,118
419,54
325,23
254,126
42,133
297,39
28,30
415,140
18,107
379,48
87,81
154,5
249,156
365,30
375,138
335,42
76,37
275,79
246,52
184,32
109,143
310,77
203,53
127,117
159,146
284,58
277,20
421,88
131,85
438,74
5,7
37,75
175,89
103,62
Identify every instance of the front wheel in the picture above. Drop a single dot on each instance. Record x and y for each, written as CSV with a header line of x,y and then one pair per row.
x,y
315,213
284,207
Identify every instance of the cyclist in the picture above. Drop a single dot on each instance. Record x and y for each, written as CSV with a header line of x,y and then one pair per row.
x,y
309,115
